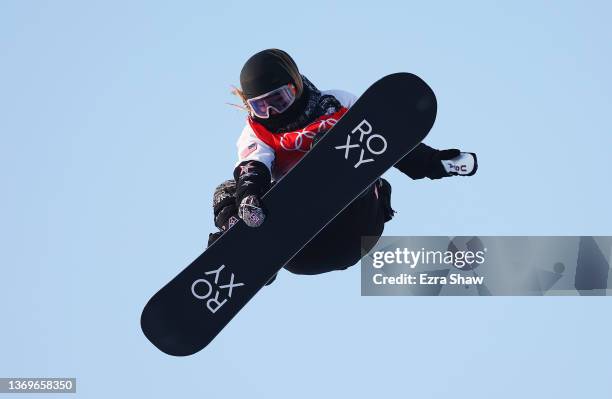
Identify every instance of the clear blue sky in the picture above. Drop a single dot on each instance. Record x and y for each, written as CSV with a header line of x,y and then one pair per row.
x,y
114,132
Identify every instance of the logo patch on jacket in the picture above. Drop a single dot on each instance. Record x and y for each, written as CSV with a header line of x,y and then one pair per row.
x,y
247,151
290,147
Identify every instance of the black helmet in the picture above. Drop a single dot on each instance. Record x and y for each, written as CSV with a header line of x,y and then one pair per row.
x,y
269,70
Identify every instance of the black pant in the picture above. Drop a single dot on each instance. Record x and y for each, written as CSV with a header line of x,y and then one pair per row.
x,y
338,245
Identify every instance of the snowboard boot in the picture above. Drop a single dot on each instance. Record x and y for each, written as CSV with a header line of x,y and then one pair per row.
x,y
384,193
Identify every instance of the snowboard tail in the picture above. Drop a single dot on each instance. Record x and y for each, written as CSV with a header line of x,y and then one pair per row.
x,y
385,123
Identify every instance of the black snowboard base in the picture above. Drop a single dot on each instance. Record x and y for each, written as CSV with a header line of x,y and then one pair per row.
x,y
386,122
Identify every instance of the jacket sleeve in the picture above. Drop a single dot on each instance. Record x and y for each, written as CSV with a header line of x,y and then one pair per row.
x,y
418,162
252,172
252,148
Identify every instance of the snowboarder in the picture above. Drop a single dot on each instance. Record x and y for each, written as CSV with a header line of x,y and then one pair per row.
x,y
287,114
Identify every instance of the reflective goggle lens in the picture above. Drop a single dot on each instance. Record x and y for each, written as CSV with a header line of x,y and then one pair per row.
x,y
278,99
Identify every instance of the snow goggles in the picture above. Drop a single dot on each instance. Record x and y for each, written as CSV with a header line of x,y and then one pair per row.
x,y
278,100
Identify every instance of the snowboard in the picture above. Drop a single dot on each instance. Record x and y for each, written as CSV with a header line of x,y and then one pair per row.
x,y
385,123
